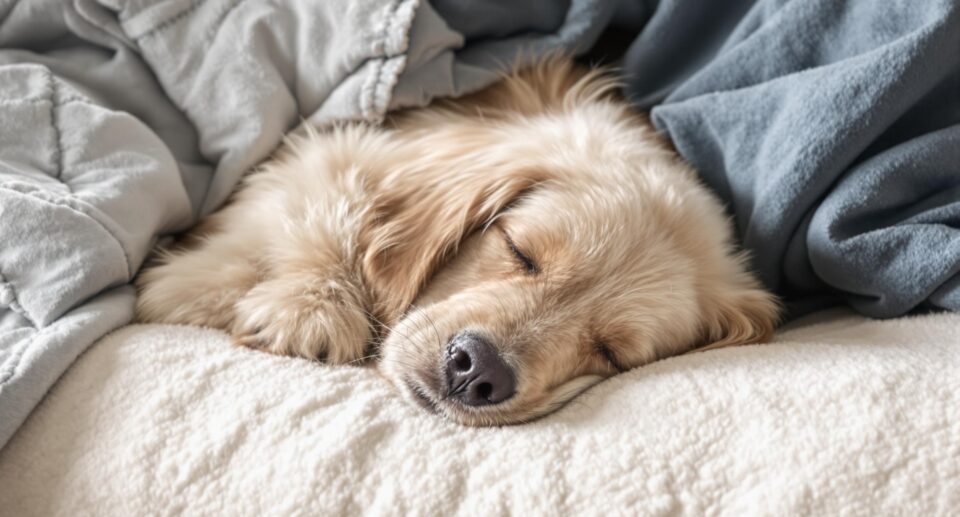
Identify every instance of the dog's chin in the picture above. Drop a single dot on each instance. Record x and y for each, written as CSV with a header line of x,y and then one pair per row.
x,y
423,391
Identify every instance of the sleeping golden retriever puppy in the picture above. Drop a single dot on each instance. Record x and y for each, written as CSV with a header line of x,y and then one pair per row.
x,y
499,253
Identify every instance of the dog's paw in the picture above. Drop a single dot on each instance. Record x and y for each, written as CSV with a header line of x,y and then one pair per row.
x,y
288,319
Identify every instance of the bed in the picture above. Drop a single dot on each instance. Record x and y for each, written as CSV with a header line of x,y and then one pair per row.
x,y
839,415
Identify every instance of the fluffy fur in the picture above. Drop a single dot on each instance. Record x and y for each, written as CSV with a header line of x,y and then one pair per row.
x,y
541,213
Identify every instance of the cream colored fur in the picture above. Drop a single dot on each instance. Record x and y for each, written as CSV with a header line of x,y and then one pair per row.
x,y
386,241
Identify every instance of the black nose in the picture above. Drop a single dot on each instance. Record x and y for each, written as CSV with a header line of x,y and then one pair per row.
x,y
476,374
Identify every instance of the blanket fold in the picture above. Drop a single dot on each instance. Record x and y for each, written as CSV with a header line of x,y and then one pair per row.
x,y
830,129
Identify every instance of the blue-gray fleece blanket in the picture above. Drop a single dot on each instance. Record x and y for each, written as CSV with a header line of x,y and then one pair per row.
x,y
832,130
830,127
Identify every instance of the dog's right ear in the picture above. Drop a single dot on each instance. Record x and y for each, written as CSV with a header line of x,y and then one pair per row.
x,y
739,315
420,220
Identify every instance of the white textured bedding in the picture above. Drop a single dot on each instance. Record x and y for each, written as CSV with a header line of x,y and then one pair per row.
x,y
842,415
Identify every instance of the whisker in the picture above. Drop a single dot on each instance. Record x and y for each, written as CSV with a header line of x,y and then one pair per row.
x,y
362,359
436,332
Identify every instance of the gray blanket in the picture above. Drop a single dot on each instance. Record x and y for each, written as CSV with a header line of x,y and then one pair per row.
x,y
125,120
832,130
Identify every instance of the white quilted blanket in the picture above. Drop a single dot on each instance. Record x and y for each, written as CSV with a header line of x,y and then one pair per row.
x,y
845,416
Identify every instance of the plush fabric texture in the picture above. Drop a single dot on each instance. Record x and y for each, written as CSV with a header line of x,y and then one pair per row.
x,y
124,120
831,129
840,416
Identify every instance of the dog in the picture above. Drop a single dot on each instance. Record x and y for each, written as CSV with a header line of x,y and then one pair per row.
x,y
498,254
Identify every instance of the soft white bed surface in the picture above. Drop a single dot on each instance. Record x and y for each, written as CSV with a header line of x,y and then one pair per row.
x,y
844,415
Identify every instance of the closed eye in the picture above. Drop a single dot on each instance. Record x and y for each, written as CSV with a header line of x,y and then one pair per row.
x,y
603,349
528,265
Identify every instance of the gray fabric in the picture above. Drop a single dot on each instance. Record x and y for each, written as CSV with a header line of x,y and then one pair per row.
x,y
832,130
500,18
124,120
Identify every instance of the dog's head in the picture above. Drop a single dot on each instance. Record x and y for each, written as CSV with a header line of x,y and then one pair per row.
x,y
535,250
